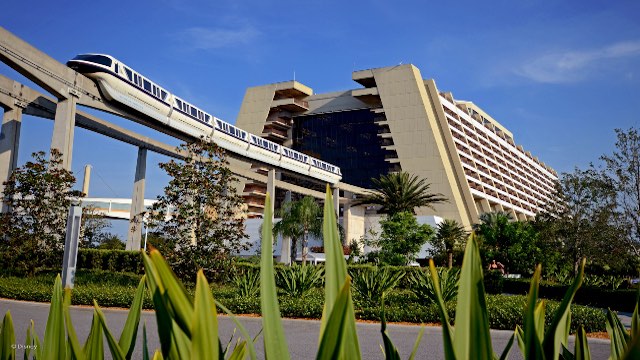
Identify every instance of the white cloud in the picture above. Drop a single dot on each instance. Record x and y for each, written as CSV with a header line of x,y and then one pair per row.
x,y
216,38
573,66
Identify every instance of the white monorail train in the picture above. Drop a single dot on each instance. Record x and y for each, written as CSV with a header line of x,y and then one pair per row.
x,y
120,83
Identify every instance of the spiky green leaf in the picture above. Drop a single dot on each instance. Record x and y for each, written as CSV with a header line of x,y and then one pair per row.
x,y
75,349
8,338
275,343
205,322
129,333
472,337
55,341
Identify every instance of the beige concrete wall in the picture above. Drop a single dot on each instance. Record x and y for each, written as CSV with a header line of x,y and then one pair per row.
x,y
418,139
353,223
255,108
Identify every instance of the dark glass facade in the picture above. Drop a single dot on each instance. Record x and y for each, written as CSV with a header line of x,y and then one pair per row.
x,y
347,139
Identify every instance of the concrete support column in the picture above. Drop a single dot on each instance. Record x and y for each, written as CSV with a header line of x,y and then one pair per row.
x,y
336,200
63,128
9,144
513,214
86,180
285,248
271,189
485,206
137,202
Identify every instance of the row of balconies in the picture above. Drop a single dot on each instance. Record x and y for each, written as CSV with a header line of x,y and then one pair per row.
x,y
516,189
490,153
484,134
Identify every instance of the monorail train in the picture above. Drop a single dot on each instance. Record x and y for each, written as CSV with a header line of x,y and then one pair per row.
x,y
118,82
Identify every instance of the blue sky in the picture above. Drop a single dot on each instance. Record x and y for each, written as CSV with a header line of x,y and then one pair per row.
x,y
561,75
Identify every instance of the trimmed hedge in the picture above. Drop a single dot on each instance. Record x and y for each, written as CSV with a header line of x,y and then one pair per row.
x,y
110,260
619,300
118,289
123,261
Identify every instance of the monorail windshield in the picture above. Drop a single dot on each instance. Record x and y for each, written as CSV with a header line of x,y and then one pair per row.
x,y
99,59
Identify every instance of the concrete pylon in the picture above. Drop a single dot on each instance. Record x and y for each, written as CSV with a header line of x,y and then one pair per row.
x,y
271,189
63,128
86,180
137,202
285,249
9,144
336,200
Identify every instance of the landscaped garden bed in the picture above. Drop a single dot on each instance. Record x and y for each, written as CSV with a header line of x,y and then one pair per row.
x,y
112,289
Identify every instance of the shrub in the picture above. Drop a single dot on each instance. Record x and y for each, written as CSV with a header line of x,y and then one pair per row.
x,y
247,284
422,285
493,282
619,300
307,306
369,285
297,280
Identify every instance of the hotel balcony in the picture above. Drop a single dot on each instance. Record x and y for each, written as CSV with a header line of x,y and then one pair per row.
x,y
275,135
290,104
292,89
364,78
369,96
279,120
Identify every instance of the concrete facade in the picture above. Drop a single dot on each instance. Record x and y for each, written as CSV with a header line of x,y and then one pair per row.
x,y
464,153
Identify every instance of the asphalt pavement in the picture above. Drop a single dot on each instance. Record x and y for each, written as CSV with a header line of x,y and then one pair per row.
x,y
302,335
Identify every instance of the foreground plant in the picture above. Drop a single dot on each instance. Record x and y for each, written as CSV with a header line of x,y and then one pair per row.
x,y
188,326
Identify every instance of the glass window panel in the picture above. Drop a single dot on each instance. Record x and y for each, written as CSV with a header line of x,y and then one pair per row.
x,y
346,139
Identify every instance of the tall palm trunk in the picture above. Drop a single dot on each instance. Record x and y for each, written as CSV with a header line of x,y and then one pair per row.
x,y
450,259
305,249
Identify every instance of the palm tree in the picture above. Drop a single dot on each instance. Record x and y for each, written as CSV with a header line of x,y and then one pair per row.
x,y
299,219
450,234
398,192
494,230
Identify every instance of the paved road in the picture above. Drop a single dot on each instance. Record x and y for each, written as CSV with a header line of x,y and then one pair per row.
x,y
302,335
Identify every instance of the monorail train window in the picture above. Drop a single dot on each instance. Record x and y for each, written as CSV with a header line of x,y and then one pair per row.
x,y
179,103
194,112
117,68
147,85
129,73
99,59
163,94
207,118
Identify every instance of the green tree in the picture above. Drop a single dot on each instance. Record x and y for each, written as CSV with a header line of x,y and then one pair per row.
x,y
622,168
299,219
200,215
38,195
450,236
582,219
93,227
110,241
401,192
516,244
401,238
495,233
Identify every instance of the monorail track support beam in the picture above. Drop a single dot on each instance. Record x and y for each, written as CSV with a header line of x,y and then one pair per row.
x,y
137,202
285,249
9,144
63,128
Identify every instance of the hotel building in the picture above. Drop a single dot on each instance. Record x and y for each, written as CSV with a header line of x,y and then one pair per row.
x,y
396,120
